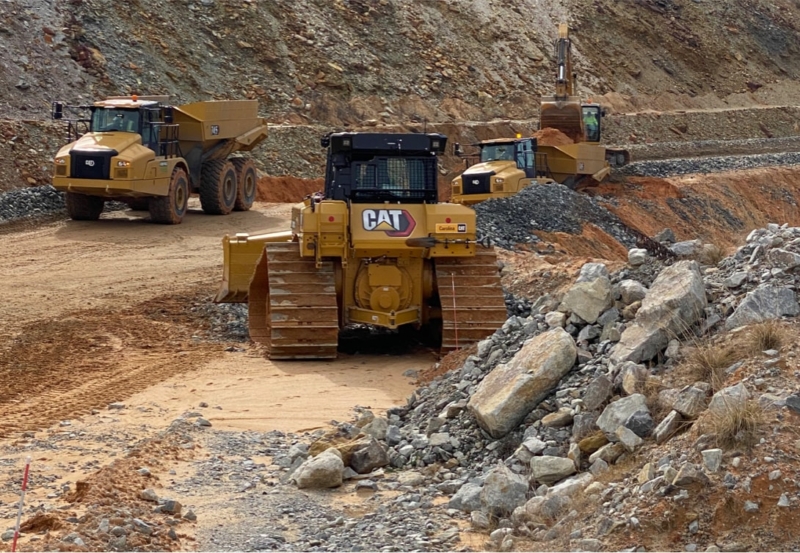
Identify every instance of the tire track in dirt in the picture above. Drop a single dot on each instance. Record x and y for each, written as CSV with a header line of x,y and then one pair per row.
x,y
63,368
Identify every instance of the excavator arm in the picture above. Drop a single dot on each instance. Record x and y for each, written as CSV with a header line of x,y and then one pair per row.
x,y
563,110
565,85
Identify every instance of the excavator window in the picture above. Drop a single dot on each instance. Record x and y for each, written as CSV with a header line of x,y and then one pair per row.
x,y
591,122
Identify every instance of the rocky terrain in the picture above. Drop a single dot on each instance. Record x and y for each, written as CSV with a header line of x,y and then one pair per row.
x,y
643,395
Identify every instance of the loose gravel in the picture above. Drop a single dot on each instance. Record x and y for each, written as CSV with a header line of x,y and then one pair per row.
x,y
715,164
30,202
507,222
269,514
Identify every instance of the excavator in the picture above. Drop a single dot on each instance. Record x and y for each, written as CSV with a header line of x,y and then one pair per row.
x,y
504,166
581,122
375,248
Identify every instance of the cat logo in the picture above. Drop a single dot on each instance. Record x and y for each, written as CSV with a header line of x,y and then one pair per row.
x,y
476,182
394,222
90,162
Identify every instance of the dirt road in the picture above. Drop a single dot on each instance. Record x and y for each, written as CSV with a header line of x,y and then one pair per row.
x,y
95,312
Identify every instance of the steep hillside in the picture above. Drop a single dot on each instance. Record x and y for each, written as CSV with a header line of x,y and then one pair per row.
x,y
344,61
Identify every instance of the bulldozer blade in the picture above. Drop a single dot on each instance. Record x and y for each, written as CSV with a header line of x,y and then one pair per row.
x,y
240,255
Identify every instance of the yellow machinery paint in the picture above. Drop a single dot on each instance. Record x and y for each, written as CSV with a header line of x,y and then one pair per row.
x,y
142,151
584,161
352,259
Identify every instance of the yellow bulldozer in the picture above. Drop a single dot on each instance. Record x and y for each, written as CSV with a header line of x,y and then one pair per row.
x,y
376,248
504,166
139,150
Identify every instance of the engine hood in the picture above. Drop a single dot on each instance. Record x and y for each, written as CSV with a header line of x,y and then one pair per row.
x,y
105,141
489,166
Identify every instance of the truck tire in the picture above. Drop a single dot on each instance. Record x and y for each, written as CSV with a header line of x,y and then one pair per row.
x,y
170,209
247,183
218,187
81,207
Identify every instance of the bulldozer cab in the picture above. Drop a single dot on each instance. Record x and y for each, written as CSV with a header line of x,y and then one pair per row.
x,y
370,168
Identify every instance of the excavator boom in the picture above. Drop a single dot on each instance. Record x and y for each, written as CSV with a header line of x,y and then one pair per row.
x,y
563,111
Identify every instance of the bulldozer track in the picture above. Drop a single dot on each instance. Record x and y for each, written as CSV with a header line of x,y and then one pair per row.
x,y
473,306
293,309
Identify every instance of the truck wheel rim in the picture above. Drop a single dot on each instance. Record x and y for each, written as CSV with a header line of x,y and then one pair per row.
x,y
229,190
249,186
180,198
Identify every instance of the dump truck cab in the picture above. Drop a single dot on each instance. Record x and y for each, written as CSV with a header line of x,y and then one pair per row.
x,y
500,168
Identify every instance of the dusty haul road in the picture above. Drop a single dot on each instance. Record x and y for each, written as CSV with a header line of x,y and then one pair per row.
x,y
97,312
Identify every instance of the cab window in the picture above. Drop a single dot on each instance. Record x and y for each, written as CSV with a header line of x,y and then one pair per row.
x,y
496,152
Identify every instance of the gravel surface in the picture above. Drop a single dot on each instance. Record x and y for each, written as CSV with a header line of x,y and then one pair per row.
x,y
268,513
506,222
37,201
697,148
673,167
30,202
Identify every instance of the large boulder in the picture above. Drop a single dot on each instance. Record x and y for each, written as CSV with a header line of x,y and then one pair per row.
x,y
591,293
630,412
368,458
549,469
674,303
729,400
631,291
323,471
513,390
503,491
467,498
765,302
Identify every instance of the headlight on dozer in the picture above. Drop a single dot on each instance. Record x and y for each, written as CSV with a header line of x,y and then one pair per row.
x,y
121,163
60,161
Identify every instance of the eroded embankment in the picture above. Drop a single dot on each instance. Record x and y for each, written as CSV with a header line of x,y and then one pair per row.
x,y
719,208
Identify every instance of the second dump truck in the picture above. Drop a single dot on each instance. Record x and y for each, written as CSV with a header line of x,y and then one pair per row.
x,y
141,151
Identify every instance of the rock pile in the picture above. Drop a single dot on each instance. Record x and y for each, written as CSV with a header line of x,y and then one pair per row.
x,y
30,202
507,222
552,400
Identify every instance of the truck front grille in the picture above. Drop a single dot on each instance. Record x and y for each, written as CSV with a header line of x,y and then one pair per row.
x,y
91,165
477,183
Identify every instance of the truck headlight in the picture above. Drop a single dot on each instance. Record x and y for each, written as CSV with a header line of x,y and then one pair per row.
x,y
499,181
60,161
121,163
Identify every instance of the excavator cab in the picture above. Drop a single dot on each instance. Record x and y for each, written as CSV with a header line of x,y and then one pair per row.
x,y
591,113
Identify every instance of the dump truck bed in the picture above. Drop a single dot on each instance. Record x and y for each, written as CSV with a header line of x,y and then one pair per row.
x,y
205,124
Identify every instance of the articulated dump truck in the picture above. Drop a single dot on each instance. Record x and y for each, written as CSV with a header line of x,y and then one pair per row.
x,y
376,248
138,150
